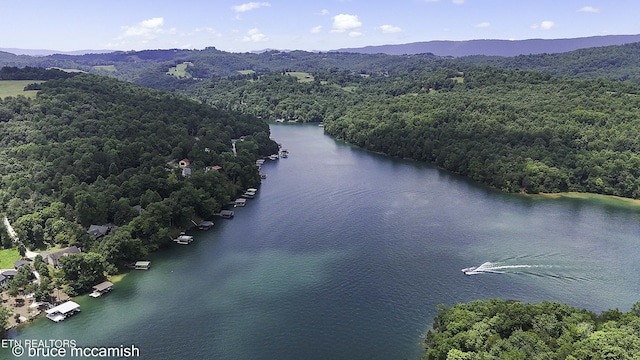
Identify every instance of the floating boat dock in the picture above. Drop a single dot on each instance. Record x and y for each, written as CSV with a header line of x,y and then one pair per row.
x,y
142,265
227,214
205,225
183,240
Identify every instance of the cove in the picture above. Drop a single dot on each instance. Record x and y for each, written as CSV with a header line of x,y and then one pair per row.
x,y
345,254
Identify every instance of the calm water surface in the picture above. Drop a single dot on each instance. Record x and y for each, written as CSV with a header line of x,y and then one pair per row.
x,y
345,254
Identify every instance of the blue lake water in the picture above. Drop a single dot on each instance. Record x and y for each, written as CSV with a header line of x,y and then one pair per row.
x,y
345,254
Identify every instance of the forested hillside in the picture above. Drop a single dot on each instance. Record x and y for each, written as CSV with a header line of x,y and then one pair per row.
x,y
512,130
619,63
93,150
150,67
497,329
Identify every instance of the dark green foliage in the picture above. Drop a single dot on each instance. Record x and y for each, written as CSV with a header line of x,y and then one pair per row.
x,y
33,73
82,271
497,329
516,131
89,149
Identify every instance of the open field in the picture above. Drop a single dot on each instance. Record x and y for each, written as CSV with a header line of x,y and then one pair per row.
x,y
15,88
302,76
180,71
8,257
107,68
246,72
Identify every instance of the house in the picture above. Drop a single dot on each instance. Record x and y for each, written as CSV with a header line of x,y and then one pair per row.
x,y
9,273
99,230
184,163
53,258
3,280
19,263
63,311
186,172
102,288
215,168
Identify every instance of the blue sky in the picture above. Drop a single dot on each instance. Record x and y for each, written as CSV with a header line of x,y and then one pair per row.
x,y
241,25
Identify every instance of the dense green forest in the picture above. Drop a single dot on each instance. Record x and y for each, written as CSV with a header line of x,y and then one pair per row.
x,y
516,131
497,329
94,150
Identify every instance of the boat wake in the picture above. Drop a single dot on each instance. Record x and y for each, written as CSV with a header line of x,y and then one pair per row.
x,y
493,268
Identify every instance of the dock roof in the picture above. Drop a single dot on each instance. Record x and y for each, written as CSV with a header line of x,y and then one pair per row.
x,y
64,308
103,286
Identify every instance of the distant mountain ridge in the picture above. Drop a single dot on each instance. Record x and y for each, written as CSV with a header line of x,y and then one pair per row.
x,y
496,47
45,52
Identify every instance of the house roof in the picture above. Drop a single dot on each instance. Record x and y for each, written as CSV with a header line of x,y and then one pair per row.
x,y
98,230
19,263
9,273
56,255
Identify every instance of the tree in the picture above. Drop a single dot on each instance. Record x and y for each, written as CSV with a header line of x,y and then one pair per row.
x,y
82,271
5,313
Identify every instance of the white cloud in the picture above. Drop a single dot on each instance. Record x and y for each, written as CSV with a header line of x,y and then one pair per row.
x,y
545,25
589,9
254,35
345,22
205,30
323,12
355,34
483,25
390,29
458,2
316,29
147,29
249,6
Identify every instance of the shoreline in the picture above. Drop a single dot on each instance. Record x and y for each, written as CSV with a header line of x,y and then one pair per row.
x,y
612,200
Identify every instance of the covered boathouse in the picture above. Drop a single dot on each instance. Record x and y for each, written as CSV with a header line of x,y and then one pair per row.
x,y
63,311
102,288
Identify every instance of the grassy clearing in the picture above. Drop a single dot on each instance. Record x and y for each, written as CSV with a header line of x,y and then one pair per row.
x,y
458,79
69,70
607,200
180,71
16,87
246,72
106,68
302,76
8,257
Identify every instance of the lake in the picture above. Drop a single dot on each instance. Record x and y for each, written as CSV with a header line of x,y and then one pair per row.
x,y
345,254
